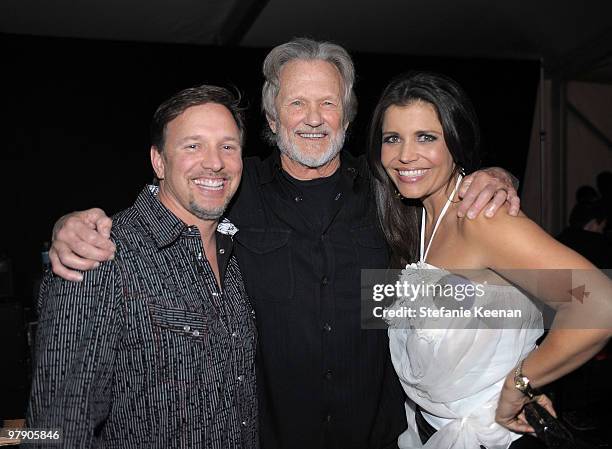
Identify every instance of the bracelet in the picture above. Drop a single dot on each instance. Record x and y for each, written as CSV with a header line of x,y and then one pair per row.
x,y
522,382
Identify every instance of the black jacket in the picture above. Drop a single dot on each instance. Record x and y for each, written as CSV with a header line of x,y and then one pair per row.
x,y
323,381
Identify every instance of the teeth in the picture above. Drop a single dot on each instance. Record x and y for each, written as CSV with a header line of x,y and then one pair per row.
x,y
312,135
412,173
214,184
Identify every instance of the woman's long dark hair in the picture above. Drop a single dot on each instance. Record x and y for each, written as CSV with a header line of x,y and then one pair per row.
x,y
398,216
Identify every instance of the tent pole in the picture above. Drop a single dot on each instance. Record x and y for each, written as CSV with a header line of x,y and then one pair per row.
x,y
542,144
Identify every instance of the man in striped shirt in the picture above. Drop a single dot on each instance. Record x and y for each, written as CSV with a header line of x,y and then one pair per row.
x,y
155,348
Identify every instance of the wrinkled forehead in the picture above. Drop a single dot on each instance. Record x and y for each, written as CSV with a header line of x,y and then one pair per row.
x,y
310,77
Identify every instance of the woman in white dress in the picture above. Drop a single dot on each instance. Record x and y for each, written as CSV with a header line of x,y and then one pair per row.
x,y
462,383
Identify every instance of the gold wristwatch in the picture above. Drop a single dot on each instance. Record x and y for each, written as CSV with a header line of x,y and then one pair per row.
x,y
522,383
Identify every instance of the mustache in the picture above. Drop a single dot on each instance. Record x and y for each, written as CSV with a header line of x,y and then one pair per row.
x,y
319,130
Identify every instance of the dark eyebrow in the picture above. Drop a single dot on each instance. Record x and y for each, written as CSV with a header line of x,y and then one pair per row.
x,y
187,138
429,131
199,137
231,138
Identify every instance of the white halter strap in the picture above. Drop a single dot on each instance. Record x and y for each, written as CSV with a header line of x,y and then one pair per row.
x,y
423,252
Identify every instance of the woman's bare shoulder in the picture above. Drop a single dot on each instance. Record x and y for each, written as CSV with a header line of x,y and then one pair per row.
x,y
516,242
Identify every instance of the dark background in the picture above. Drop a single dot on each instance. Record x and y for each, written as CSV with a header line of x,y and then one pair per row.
x,y
75,117
76,120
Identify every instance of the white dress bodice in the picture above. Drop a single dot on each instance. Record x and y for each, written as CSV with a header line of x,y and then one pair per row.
x,y
455,374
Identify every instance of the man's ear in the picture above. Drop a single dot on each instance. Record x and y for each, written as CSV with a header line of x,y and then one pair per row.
x,y
157,161
271,123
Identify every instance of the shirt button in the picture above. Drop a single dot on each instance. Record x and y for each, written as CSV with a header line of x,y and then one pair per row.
x,y
199,256
196,333
297,199
328,419
186,328
338,196
234,334
325,280
221,251
327,327
328,375
240,378
244,423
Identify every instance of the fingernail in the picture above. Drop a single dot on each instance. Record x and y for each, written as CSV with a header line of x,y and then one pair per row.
x,y
471,215
460,214
489,213
96,265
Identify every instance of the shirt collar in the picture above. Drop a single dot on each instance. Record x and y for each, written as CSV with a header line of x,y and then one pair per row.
x,y
163,226
272,167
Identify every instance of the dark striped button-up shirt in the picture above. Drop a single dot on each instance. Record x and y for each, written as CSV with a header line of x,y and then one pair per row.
x,y
147,351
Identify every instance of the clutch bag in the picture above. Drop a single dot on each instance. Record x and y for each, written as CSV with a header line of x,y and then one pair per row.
x,y
550,430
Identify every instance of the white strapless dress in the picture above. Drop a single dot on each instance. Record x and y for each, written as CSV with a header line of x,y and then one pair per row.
x,y
456,374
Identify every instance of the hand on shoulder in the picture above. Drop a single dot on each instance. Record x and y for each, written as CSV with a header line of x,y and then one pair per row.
x,y
487,191
81,240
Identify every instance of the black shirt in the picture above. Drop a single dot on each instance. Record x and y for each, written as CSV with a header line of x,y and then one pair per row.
x,y
323,382
315,196
148,351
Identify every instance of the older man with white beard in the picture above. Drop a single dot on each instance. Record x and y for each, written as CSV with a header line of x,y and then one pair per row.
x,y
307,226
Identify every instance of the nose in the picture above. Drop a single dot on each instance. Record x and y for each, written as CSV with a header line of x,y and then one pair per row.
x,y
313,116
212,160
408,153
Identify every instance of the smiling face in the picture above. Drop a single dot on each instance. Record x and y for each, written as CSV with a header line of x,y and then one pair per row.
x,y
309,118
413,151
201,163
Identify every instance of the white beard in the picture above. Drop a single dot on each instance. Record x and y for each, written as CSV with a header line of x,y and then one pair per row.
x,y
292,151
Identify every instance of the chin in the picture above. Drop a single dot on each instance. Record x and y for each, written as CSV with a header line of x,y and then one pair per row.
x,y
412,194
208,211
312,159
417,190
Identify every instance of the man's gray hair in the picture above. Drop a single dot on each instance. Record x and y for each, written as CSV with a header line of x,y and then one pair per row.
x,y
308,49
